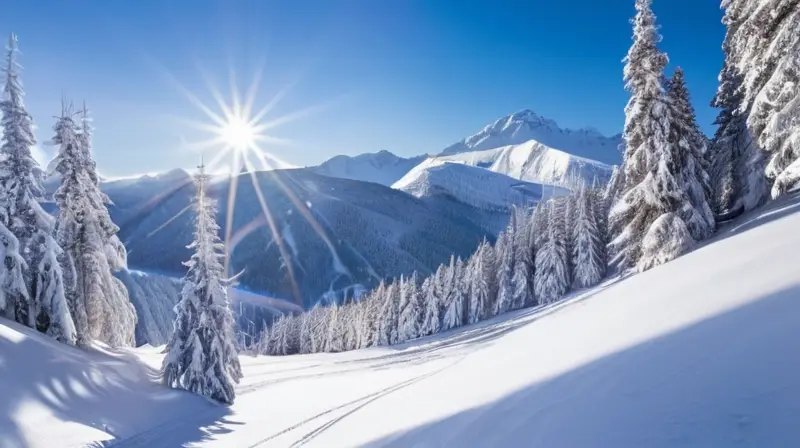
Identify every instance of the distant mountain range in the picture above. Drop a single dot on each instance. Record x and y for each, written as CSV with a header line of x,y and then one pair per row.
x,y
346,224
523,146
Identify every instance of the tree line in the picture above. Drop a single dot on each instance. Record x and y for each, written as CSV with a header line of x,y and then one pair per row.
x,y
544,253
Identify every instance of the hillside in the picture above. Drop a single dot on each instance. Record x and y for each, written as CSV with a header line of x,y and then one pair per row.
x,y
472,185
699,352
361,231
526,125
534,162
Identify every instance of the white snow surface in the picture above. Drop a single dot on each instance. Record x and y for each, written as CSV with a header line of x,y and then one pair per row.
x,y
526,125
699,352
471,185
532,161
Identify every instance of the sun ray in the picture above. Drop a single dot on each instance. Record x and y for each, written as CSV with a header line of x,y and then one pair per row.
x,y
276,235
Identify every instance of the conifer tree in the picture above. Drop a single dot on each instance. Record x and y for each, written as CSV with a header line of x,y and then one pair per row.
x,y
551,279
430,322
504,253
201,354
99,301
653,194
689,144
44,304
387,328
410,309
454,313
587,251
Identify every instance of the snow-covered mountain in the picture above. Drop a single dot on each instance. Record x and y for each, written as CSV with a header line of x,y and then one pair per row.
x,y
338,235
701,351
535,162
470,184
381,167
526,125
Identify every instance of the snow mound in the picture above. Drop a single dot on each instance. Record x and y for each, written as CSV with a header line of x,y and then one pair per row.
x,y
534,162
381,167
469,184
526,125
699,352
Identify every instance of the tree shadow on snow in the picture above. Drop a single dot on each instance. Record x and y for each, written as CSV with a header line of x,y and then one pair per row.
x,y
111,392
728,380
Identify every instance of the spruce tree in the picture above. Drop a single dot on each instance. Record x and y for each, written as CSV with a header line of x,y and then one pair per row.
x,y
410,309
430,322
454,313
772,80
504,254
99,301
201,354
653,195
587,252
689,144
551,279
44,305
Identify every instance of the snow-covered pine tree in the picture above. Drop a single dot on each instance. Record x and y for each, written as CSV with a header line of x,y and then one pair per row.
x,y
690,147
504,259
772,85
201,354
653,194
44,305
387,327
551,279
99,301
522,276
454,313
587,252
336,329
479,285
430,322
410,309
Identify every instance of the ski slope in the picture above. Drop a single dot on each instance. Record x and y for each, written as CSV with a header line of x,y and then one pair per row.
x,y
700,352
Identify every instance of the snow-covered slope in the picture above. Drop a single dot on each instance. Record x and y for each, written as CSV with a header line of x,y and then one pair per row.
x,y
534,162
699,352
526,125
470,184
381,167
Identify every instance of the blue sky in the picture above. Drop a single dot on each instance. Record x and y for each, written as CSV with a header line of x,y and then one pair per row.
x,y
409,76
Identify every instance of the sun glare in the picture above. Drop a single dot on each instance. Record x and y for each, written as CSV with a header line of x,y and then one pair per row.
x,y
238,133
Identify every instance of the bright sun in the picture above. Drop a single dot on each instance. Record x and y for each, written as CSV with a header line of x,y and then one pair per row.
x,y
238,133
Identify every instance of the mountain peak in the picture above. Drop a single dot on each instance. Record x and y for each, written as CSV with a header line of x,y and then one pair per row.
x,y
525,125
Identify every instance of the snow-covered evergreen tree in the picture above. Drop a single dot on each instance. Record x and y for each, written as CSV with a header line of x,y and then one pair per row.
x,y
504,254
44,305
690,147
772,86
454,313
551,277
411,308
431,323
480,278
651,163
201,354
588,262
99,301
522,276
387,327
